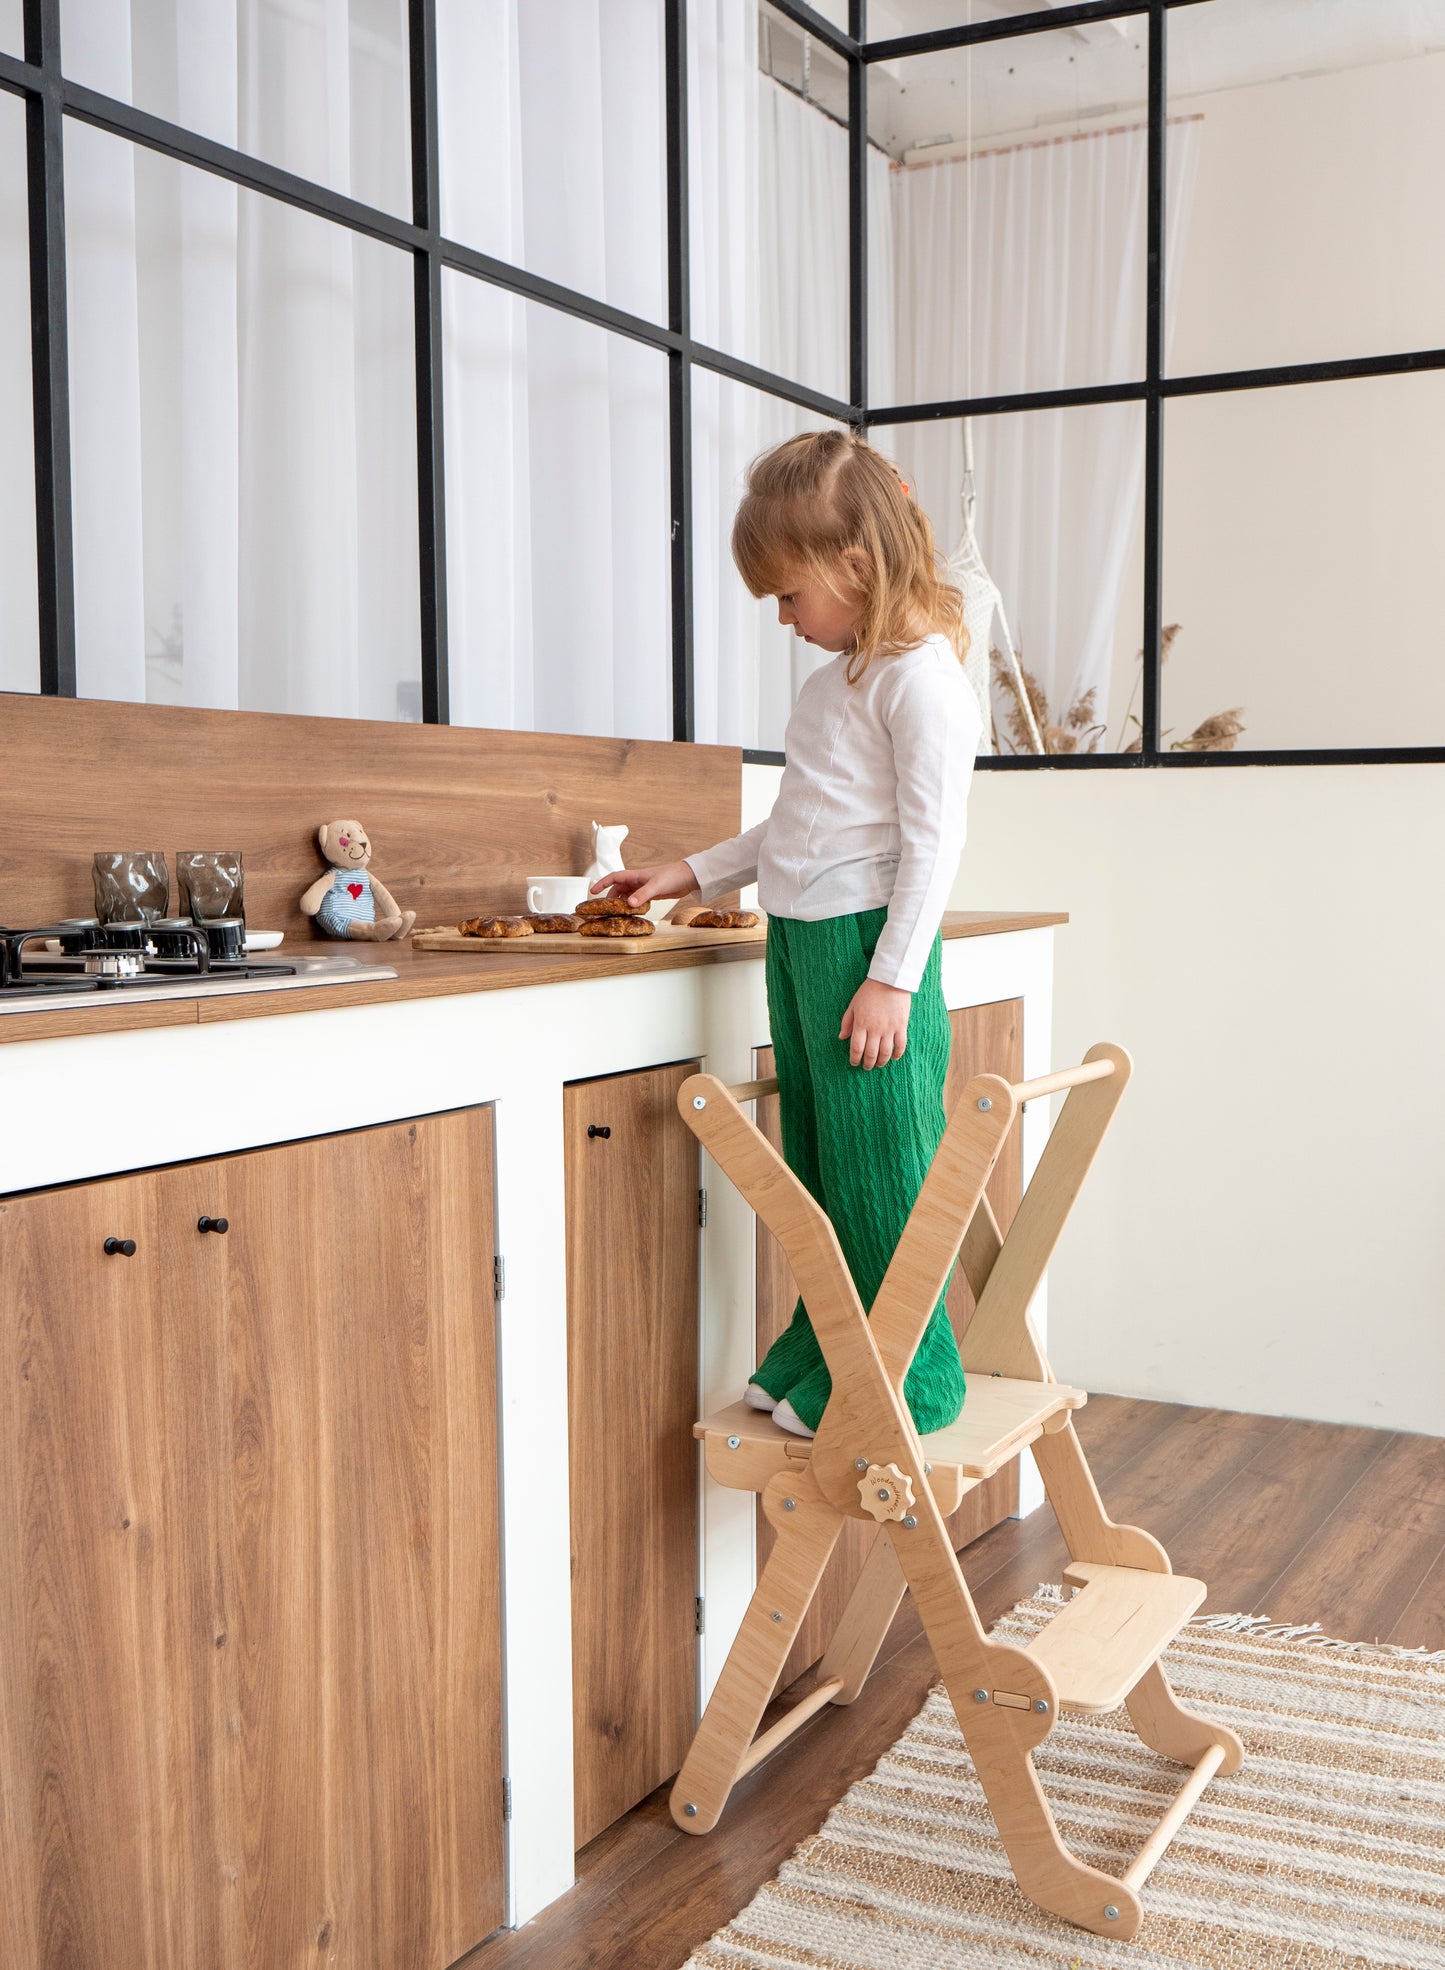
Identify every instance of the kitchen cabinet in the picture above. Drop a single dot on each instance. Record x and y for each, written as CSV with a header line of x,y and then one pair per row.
x,y
632,1361
986,1039
250,1684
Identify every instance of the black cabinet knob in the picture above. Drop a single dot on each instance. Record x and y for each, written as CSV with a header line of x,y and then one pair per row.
x,y
120,1248
592,1129
213,1224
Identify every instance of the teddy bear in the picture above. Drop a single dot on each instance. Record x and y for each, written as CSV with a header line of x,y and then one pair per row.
x,y
344,901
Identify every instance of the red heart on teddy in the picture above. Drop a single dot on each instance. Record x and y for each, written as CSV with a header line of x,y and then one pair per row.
x,y
353,889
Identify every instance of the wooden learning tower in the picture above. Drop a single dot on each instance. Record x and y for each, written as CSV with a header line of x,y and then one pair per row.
x,y
867,1462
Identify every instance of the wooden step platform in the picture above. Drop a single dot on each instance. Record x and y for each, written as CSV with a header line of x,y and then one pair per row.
x,y
1119,1623
745,1448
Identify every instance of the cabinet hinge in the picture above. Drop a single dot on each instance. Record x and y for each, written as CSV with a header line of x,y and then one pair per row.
x,y
702,1207
506,1798
697,1608
499,1277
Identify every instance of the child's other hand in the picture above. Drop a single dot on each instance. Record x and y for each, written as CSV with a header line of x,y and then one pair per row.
x,y
876,1023
638,887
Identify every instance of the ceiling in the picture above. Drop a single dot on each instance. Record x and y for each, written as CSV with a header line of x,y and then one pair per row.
x,y
1017,84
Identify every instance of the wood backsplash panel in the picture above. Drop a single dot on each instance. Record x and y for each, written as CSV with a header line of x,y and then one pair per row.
x,y
459,818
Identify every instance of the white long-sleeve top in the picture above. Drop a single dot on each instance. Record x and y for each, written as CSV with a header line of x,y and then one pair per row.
x,y
870,810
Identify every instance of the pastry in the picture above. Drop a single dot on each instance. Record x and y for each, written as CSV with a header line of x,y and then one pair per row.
x,y
495,927
605,906
551,926
723,920
617,927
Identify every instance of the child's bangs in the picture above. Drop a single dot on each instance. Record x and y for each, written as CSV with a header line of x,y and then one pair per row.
x,y
771,547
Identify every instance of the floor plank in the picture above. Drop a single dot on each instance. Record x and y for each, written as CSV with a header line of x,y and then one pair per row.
x,y
1298,1520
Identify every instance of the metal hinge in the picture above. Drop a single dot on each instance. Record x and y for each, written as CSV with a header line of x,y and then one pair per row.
x,y
697,1607
499,1277
702,1207
506,1798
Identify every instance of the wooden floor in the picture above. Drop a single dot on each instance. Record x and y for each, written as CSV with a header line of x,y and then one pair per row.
x,y
1301,1521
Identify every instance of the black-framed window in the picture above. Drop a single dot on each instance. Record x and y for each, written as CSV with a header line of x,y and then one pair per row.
x,y
1224,403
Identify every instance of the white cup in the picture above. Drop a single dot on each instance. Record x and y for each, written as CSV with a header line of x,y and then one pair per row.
x,y
550,895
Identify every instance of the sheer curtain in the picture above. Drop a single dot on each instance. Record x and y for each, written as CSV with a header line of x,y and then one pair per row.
x,y
242,383
1047,293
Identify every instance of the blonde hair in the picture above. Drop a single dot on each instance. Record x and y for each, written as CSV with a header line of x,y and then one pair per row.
x,y
811,498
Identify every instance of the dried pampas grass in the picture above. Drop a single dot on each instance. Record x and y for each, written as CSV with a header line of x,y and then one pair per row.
x,y
1078,730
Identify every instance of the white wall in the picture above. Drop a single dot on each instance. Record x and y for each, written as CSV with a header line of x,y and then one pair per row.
x,y
1264,1229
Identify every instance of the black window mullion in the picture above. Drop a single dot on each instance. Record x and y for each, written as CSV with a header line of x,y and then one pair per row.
x,y
49,373
1153,378
858,220
679,375
427,293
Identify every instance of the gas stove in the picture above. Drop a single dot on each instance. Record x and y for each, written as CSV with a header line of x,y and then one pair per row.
x,y
82,961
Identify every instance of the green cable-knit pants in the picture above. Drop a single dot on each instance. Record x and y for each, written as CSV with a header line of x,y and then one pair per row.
x,y
860,1138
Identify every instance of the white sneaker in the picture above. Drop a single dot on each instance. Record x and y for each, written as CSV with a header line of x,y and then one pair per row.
x,y
758,1398
787,1418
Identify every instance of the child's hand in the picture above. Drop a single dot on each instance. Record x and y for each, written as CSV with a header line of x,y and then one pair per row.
x,y
638,887
876,1023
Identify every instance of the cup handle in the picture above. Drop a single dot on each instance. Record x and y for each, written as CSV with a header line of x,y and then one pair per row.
x,y
532,903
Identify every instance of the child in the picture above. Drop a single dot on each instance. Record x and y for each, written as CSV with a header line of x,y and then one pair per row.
x,y
854,867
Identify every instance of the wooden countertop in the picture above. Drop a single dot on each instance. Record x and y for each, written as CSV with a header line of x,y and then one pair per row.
x,y
428,975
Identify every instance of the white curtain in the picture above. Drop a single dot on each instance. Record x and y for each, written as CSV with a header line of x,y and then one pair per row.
x,y
1023,268
242,383
557,451
770,283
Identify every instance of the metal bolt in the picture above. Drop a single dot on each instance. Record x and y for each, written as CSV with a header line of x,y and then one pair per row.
x,y
1041,1706
698,1101
790,1504
691,1812
776,1615
980,1696
884,1493
985,1104
733,1442
1111,1914
860,1463
928,1470
910,1523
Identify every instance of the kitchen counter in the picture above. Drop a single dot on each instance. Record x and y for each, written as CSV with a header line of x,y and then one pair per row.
x,y
430,974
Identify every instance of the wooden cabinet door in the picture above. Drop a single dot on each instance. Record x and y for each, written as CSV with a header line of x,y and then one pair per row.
x,y
986,1039
632,1365
250,1705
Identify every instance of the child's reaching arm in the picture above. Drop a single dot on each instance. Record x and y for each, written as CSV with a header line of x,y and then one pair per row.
x,y
713,871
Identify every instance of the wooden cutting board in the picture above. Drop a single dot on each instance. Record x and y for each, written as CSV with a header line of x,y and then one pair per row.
x,y
665,937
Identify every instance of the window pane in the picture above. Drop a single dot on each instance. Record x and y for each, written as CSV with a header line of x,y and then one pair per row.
x,y
12,27
1018,215
319,87
768,183
1301,563
1316,213
558,520
748,668
19,640
1057,540
243,427
553,141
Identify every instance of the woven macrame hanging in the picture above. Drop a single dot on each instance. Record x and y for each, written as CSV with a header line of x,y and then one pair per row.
x,y
982,603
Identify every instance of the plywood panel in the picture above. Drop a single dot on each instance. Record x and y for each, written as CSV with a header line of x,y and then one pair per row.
x,y
632,1312
250,1702
985,1039
459,817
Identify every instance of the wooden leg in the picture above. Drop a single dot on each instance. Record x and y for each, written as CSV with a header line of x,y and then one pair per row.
x,y
1174,1731
866,1620
807,1527
1089,1532
1006,1703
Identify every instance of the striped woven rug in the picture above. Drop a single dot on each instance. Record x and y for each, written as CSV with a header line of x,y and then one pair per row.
x,y
1326,1852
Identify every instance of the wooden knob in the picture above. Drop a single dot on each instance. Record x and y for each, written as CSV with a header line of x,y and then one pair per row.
x,y
886,1492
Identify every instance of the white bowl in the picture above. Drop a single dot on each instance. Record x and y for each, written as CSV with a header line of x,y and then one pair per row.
x,y
263,940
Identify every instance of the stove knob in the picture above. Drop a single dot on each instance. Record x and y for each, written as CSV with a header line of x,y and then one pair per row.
x,y
213,1224
120,1247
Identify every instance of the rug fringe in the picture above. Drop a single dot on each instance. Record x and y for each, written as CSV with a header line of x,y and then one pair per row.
x,y
1263,1627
